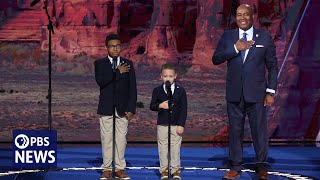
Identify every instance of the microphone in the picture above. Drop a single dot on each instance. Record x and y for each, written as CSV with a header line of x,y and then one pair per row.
x,y
168,88
169,93
168,85
34,2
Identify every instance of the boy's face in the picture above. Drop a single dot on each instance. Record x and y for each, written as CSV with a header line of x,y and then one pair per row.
x,y
168,75
114,48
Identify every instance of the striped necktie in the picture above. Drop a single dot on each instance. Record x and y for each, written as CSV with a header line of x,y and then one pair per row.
x,y
243,53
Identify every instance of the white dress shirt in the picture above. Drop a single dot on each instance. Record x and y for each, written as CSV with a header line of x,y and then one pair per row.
x,y
172,88
249,38
111,60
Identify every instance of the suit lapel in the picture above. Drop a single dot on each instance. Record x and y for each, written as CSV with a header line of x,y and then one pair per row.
x,y
162,91
251,50
107,62
235,37
176,91
122,60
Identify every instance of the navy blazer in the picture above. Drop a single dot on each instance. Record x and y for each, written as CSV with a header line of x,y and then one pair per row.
x,y
248,79
179,110
126,89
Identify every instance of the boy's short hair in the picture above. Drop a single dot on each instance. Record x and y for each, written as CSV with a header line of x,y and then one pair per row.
x,y
168,66
110,37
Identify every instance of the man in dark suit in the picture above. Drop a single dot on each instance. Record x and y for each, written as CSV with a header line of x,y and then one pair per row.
x,y
249,52
125,98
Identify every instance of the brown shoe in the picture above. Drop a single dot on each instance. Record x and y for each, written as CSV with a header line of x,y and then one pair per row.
x,y
106,174
231,175
121,174
176,175
263,174
164,174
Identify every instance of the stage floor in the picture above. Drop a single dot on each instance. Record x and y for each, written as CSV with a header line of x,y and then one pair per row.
x,y
197,163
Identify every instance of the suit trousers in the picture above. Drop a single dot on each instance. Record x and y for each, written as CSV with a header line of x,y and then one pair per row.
x,y
106,128
256,112
162,132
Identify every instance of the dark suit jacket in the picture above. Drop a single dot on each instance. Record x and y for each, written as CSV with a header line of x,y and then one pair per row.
x,y
126,90
248,79
179,110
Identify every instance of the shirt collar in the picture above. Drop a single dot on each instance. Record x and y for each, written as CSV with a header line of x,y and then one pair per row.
x,y
111,60
249,32
172,87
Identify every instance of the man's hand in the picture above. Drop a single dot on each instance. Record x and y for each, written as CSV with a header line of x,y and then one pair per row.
x,y
129,115
164,105
242,45
268,100
123,68
180,130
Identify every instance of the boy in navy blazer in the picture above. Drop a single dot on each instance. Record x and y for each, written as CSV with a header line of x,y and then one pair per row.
x,y
125,100
159,103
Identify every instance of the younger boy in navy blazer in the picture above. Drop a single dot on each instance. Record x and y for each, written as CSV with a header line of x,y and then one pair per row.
x,y
159,103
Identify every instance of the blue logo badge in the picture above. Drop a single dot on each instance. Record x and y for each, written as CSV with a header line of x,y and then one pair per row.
x,y
35,148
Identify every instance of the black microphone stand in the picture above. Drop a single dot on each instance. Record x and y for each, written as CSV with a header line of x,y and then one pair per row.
x,y
50,29
49,96
114,71
170,105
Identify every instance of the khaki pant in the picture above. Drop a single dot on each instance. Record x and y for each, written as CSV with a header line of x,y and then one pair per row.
x,y
106,123
163,148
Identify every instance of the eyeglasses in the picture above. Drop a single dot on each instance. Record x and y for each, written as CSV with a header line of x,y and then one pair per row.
x,y
115,47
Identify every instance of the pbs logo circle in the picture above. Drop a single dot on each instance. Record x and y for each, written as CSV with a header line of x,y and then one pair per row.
x,y
21,141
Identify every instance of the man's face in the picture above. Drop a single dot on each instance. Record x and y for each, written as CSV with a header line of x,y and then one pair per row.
x,y
114,48
244,17
168,75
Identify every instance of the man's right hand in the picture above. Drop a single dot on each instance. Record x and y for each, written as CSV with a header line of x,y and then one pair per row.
x,y
242,45
123,68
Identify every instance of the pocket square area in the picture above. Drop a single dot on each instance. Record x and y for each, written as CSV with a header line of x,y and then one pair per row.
x,y
259,46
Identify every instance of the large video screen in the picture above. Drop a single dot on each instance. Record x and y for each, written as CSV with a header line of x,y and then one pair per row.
x,y
184,33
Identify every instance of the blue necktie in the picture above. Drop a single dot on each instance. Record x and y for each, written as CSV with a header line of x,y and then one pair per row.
x,y
243,53
114,64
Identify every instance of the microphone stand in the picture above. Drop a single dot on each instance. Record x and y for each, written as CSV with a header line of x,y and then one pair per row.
x,y
170,104
114,71
50,29
49,96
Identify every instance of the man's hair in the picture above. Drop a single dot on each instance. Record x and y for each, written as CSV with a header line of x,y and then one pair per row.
x,y
247,6
168,66
110,37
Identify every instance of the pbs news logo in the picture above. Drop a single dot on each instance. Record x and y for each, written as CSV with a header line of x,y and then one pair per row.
x,y
35,148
